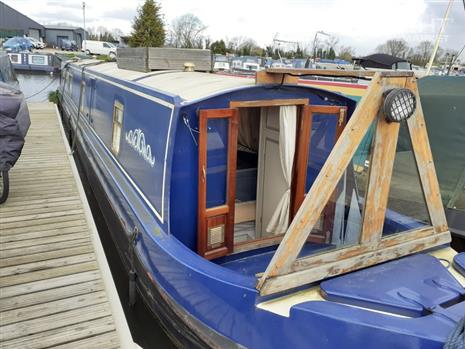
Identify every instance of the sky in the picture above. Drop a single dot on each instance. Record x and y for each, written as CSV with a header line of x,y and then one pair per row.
x,y
362,24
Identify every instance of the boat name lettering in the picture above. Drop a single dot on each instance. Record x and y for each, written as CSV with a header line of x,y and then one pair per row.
x,y
136,139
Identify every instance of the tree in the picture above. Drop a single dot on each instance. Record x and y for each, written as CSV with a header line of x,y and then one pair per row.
x,y
421,54
218,47
346,53
394,47
187,31
148,29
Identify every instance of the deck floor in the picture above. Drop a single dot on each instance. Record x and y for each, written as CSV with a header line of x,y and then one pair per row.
x,y
55,286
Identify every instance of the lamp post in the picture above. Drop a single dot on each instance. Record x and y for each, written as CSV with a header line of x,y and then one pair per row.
x,y
314,41
84,20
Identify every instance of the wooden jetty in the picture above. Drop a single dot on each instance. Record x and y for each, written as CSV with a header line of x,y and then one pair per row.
x,y
56,288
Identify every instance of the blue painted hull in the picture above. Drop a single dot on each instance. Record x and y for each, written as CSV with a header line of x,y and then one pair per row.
x,y
216,304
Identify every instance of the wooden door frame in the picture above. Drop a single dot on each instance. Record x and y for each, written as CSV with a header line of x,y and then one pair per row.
x,y
223,214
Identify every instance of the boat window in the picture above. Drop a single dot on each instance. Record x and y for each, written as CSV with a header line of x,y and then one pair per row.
x,y
69,82
118,110
83,97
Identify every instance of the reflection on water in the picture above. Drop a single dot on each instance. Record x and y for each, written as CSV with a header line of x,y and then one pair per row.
x,y
36,86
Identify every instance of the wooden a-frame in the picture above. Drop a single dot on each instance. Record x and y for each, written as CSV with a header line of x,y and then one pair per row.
x,y
285,271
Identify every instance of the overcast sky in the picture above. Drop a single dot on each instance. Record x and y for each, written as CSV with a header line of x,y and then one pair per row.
x,y
362,24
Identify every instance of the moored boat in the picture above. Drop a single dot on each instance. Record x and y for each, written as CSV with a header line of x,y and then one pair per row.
x,y
236,204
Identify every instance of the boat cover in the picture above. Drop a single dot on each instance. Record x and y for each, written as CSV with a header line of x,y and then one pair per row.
x,y
410,286
459,263
14,124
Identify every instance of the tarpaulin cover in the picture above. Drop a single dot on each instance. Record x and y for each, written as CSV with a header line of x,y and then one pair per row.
x,y
14,124
443,102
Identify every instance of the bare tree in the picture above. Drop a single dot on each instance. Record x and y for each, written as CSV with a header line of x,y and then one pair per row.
x,y
186,31
346,53
394,47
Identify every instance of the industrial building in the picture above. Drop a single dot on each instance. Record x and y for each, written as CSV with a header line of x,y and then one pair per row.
x,y
14,23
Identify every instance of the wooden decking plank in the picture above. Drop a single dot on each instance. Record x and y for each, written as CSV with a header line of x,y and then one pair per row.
x,y
107,340
42,241
16,252
48,273
52,307
53,294
47,264
42,285
43,233
65,335
50,322
45,225
41,219
62,335
37,257
40,210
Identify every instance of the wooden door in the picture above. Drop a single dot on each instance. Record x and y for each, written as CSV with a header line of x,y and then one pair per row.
x,y
303,150
216,181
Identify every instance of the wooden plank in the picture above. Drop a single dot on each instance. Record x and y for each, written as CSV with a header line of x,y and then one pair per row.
x,y
61,335
425,164
351,251
43,241
306,276
40,210
47,264
268,103
37,257
47,225
107,340
50,322
23,251
42,234
44,219
41,285
43,297
48,273
321,190
379,179
52,307
329,72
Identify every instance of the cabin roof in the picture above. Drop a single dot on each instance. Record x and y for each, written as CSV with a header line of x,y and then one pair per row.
x,y
187,85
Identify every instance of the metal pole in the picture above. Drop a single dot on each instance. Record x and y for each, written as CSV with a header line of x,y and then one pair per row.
x,y
84,18
438,39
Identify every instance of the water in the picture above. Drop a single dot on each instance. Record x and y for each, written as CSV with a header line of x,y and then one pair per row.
x,y
144,327
36,86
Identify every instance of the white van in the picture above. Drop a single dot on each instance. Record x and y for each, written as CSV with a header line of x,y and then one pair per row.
x,y
92,47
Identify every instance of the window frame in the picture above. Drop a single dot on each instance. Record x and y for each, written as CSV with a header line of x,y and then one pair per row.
x,y
117,127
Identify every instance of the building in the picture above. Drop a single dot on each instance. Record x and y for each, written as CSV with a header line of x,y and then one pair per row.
x,y
14,23
54,34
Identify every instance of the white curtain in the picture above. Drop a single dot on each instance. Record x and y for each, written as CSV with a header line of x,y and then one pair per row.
x,y
287,137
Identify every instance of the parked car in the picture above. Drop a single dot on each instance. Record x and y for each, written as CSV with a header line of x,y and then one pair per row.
x,y
68,45
36,43
92,47
17,44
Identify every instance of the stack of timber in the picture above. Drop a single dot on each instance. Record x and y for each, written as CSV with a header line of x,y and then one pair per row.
x,y
145,59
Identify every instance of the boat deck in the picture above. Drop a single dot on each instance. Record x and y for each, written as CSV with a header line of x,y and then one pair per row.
x,y
56,288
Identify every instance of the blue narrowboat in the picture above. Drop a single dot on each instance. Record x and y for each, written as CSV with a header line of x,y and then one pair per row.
x,y
263,213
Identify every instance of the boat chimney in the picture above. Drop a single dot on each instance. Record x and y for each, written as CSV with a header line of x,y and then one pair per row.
x,y
189,67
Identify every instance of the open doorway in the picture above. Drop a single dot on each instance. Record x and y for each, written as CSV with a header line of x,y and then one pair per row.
x,y
254,170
